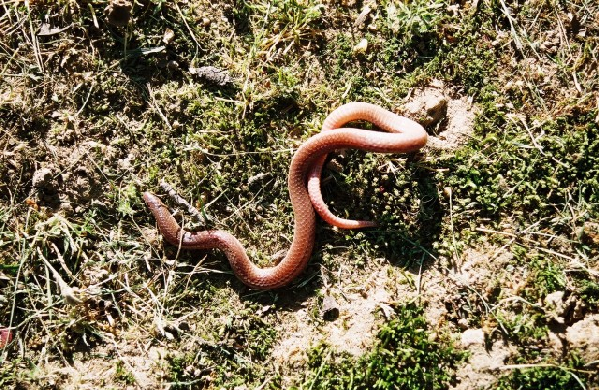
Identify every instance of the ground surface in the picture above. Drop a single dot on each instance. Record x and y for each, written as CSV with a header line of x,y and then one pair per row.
x,y
482,274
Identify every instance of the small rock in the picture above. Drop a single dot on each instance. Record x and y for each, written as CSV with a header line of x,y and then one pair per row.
x,y
556,342
387,310
572,308
263,310
184,326
583,337
579,310
559,320
118,12
463,323
555,299
168,36
433,337
42,178
44,188
428,106
435,107
172,65
329,309
362,17
590,230
555,303
125,163
213,75
361,47
565,310
473,337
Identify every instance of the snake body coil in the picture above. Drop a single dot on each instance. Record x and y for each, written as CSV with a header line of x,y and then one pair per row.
x,y
404,135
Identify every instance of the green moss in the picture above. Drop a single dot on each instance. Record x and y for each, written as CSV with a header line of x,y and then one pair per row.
x,y
404,356
589,292
123,375
527,183
570,375
238,357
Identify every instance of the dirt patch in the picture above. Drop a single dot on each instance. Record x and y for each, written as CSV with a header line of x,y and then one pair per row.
x,y
361,311
69,179
129,370
450,120
583,336
482,367
459,127
445,293
97,108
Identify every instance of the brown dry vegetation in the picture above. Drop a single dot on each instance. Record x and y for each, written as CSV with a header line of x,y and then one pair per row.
x,y
484,272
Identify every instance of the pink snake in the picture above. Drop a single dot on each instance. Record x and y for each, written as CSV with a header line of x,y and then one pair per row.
x,y
403,135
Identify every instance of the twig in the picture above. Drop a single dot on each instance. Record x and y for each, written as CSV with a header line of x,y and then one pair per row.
x,y
419,283
483,230
67,292
198,46
36,46
557,254
63,264
236,154
456,256
517,299
510,19
91,88
172,193
157,107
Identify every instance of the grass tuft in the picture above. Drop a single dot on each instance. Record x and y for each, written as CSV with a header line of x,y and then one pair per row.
x,y
405,355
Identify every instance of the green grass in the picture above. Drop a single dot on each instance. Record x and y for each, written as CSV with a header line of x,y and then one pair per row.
x,y
237,356
112,111
546,376
405,355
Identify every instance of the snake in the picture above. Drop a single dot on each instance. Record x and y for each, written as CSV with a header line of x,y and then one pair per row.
x,y
402,135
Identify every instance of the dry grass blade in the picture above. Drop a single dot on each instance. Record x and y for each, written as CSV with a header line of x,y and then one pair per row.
x,y
488,243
